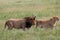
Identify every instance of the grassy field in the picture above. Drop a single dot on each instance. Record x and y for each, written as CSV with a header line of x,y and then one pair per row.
x,y
43,9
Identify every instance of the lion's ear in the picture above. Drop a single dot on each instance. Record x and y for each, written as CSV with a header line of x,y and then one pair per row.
x,y
34,17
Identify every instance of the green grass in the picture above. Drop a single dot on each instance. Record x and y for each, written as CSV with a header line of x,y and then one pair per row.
x,y
42,9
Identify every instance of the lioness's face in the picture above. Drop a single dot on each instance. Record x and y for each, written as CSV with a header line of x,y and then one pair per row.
x,y
56,18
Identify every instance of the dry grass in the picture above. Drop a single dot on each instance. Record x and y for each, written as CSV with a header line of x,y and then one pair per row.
x,y
43,9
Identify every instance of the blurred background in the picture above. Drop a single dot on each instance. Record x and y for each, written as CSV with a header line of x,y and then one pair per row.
x,y
42,9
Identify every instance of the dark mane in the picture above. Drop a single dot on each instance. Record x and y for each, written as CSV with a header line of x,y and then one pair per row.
x,y
28,24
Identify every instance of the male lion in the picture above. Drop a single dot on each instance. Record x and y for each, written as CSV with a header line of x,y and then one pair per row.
x,y
23,23
47,23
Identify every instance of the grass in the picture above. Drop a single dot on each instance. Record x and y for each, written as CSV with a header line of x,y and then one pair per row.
x,y
43,9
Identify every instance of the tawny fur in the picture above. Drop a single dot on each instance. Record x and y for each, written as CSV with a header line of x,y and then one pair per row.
x,y
23,23
47,23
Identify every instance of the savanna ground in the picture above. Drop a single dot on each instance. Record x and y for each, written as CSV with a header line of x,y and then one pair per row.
x,y
43,9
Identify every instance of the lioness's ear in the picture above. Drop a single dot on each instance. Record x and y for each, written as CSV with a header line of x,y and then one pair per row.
x,y
35,16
